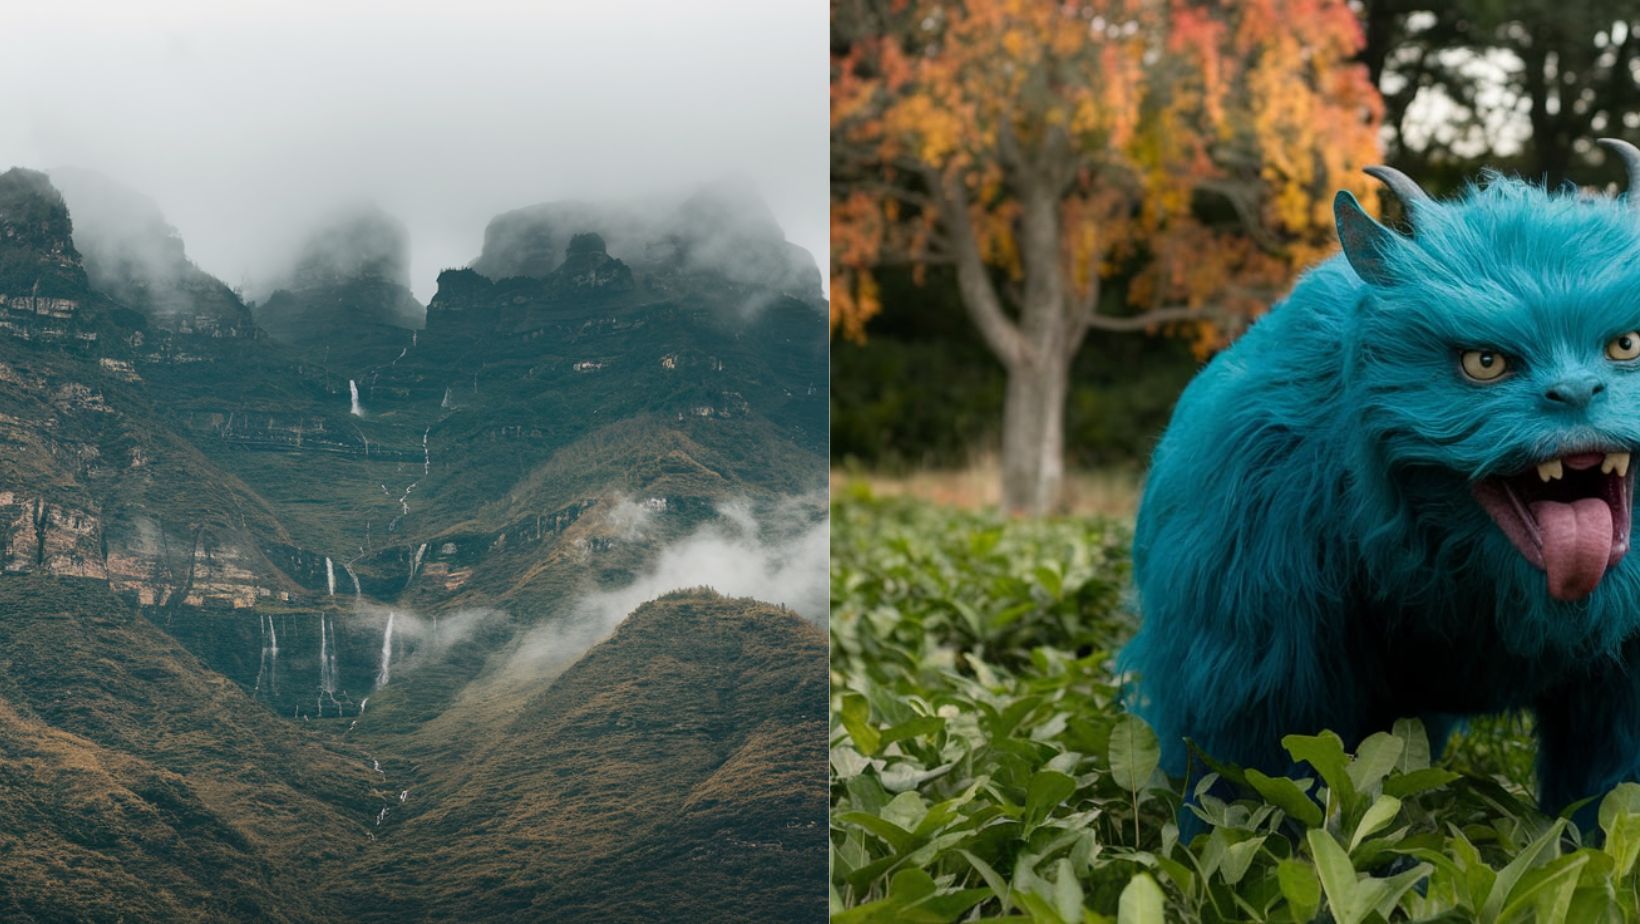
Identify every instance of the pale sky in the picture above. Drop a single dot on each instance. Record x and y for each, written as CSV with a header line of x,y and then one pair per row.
x,y
247,121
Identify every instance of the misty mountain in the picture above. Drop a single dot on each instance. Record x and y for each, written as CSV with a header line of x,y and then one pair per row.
x,y
340,568
350,273
723,232
132,254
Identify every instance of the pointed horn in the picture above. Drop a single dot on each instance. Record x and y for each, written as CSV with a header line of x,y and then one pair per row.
x,y
1630,156
1401,185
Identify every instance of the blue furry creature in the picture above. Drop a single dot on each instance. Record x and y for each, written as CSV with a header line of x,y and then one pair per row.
x,y
1406,491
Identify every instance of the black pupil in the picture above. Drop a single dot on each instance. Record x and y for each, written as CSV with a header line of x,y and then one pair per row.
x,y
1486,360
1625,343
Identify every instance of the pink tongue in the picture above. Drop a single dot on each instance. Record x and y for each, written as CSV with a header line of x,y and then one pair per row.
x,y
1577,543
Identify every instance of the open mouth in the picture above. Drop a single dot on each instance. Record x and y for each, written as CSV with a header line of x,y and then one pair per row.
x,y
1569,516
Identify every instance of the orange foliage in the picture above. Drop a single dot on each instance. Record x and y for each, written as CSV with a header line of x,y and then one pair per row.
x,y
1208,139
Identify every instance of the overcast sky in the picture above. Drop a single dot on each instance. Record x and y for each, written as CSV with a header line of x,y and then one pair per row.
x,y
246,121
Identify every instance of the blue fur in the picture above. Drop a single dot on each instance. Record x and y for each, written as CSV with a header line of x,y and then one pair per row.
x,y
1308,553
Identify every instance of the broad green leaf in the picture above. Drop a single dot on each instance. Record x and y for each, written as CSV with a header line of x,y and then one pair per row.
x,y
1510,876
1048,789
1324,752
944,907
855,715
911,885
1415,755
1374,759
1392,889
1337,874
1376,818
999,887
1300,887
1545,893
1041,910
1285,793
897,837
1620,819
1050,579
940,814
1067,892
1134,753
915,728
1237,857
1411,784
906,810
1141,902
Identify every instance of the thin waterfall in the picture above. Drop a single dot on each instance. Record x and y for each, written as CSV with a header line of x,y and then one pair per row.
x,y
353,399
327,656
330,576
384,673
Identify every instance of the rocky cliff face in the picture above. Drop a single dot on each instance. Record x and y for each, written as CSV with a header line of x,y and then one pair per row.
x,y
44,293
37,253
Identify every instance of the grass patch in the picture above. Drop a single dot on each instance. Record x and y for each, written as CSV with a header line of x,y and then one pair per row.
x,y
982,767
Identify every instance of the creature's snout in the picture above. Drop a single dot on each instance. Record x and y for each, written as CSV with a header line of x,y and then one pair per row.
x,y
1574,391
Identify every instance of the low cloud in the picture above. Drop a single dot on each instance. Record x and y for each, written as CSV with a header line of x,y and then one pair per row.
x,y
776,553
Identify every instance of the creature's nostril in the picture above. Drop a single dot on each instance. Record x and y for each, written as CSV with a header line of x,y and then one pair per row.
x,y
1575,393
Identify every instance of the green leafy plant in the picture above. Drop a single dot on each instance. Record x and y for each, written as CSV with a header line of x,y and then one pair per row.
x,y
982,768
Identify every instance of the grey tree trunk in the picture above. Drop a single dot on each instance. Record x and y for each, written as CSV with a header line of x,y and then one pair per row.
x,y
1033,434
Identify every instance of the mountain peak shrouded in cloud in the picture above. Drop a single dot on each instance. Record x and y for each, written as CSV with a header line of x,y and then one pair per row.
x,y
362,242
723,230
37,252
351,269
135,255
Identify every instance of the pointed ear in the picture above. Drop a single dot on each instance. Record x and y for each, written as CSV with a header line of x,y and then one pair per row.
x,y
1366,242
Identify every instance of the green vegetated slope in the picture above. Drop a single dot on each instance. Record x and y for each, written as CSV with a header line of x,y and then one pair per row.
x,y
225,538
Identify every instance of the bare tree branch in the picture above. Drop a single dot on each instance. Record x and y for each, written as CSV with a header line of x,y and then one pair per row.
x,y
1149,318
979,296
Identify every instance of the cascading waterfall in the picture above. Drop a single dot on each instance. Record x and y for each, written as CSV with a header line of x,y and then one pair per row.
x,y
353,398
446,402
357,593
330,576
426,454
327,655
324,658
384,673
268,665
415,564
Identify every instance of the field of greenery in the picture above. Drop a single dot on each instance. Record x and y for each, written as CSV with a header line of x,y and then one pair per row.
x,y
982,768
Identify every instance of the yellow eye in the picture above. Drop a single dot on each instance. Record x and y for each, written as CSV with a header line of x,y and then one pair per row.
x,y
1624,346
1486,365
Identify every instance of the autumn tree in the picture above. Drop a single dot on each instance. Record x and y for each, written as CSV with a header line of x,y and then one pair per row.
x,y
1123,165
